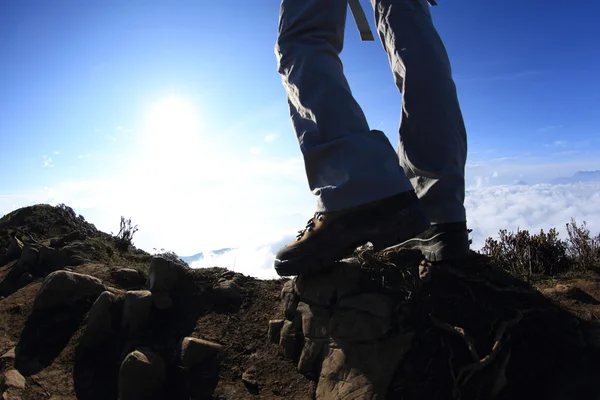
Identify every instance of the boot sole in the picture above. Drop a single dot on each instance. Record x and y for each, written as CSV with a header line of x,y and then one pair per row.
x,y
444,246
411,223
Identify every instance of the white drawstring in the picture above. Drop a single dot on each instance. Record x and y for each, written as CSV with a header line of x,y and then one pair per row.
x,y
361,19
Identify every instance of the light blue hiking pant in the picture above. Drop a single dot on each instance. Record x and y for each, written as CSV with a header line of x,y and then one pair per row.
x,y
348,164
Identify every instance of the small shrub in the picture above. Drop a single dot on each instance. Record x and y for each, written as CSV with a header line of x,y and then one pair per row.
x,y
583,249
124,239
526,255
67,210
169,255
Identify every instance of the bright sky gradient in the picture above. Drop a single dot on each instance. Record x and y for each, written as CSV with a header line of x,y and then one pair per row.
x,y
173,114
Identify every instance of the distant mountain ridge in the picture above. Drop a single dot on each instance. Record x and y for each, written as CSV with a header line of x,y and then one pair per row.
x,y
202,256
579,176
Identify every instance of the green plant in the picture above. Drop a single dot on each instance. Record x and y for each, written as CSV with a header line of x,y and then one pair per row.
x,y
526,255
583,249
124,239
169,255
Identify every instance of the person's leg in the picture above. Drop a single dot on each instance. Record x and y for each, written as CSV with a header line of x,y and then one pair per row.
x,y
433,143
347,164
363,193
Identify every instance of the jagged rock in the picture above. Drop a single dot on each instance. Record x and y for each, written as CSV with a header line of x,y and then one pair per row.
x,y
235,277
289,298
99,323
13,378
376,304
274,333
77,253
194,351
9,354
361,371
25,278
290,339
136,310
249,378
29,255
69,237
313,352
129,277
315,321
27,261
343,334
228,292
11,395
142,373
15,247
64,287
51,259
162,301
163,274
199,360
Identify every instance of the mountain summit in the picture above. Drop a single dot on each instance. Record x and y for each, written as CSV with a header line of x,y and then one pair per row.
x,y
84,317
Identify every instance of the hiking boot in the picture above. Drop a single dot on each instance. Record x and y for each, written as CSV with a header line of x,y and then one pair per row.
x,y
331,236
441,242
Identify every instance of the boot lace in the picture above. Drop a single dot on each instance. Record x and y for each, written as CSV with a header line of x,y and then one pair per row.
x,y
309,225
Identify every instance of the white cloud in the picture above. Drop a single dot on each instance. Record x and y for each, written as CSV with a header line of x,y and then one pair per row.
x,y
47,161
56,152
492,208
270,138
255,261
255,150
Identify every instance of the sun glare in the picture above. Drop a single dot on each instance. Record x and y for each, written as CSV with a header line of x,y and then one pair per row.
x,y
171,124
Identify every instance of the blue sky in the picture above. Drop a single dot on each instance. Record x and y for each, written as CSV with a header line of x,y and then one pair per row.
x,y
173,112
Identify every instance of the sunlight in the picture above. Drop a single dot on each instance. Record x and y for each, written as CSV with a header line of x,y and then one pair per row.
x,y
172,124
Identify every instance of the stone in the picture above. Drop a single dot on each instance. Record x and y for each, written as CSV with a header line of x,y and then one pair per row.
x,y
194,351
25,278
136,310
312,356
357,326
162,301
10,394
372,303
228,291
10,354
249,377
274,332
319,289
141,375
99,323
64,288
289,299
163,274
363,371
14,250
51,259
315,321
129,277
13,378
29,256
290,340
26,262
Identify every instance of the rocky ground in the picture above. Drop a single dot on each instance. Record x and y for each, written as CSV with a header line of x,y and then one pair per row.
x,y
80,319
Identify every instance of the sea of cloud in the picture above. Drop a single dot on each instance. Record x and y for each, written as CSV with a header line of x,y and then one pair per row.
x,y
489,209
